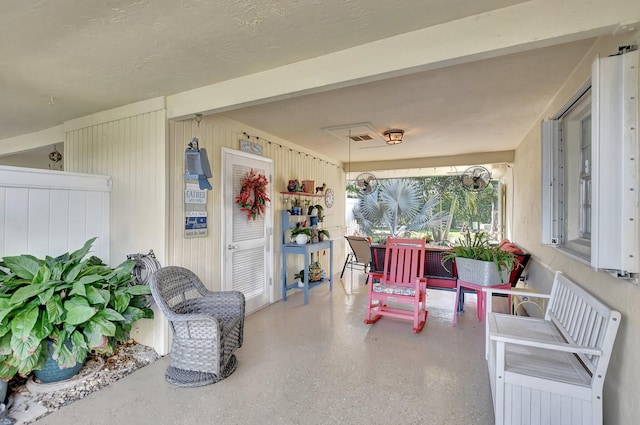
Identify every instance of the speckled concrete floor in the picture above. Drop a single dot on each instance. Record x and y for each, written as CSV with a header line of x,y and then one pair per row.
x,y
319,364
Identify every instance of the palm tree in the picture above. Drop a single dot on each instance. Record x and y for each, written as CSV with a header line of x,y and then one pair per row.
x,y
397,208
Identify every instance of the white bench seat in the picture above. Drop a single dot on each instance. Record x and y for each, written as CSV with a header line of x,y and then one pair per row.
x,y
550,370
541,363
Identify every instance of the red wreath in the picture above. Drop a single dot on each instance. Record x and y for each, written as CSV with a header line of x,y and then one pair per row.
x,y
253,194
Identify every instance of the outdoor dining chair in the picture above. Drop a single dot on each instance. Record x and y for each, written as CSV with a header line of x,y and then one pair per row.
x,y
360,254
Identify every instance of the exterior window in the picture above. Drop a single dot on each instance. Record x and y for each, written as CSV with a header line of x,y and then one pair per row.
x,y
589,170
585,179
575,141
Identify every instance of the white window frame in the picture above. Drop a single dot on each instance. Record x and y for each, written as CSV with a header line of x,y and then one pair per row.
x,y
571,209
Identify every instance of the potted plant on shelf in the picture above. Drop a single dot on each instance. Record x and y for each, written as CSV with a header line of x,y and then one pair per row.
x,y
301,235
478,261
61,309
320,209
315,272
296,208
300,278
323,233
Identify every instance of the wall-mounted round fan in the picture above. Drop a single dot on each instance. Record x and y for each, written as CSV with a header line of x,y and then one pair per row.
x,y
366,183
475,178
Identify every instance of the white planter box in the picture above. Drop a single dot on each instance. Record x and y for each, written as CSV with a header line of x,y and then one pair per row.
x,y
484,273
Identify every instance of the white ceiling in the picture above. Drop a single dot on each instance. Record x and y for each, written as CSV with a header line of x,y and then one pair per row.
x,y
483,106
64,60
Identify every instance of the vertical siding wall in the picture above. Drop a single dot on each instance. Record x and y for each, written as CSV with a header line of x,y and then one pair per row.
x,y
50,213
204,255
129,145
132,151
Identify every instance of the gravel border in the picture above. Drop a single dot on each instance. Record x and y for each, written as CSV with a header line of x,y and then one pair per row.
x,y
97,373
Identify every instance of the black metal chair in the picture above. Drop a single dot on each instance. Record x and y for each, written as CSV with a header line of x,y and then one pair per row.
x,y
207,327
360,254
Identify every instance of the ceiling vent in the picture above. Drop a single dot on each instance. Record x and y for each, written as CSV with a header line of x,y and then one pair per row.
x,y
360,132
361,137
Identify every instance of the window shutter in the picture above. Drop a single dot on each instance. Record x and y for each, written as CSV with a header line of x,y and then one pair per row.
x,y
552,177
615,237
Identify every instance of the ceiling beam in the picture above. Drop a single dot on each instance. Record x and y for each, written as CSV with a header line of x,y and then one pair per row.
x,y
521,27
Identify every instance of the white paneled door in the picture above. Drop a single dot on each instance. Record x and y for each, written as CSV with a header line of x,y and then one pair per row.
x,y
248,249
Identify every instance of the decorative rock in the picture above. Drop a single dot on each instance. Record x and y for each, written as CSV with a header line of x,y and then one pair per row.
x,y
33,400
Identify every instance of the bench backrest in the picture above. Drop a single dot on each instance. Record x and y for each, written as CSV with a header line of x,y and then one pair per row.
x,y
583,320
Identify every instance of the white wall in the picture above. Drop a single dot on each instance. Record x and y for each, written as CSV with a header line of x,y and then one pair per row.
x,y
129,145
203,255
621,386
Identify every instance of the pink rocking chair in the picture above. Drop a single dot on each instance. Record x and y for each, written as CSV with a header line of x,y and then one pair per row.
x,y
401,282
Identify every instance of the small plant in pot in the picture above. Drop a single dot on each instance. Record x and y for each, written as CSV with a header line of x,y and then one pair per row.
x,y
480,262
299,230
320,209
315,274
63,308
322,234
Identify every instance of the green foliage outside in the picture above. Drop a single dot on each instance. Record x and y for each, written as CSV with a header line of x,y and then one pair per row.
x,y
445,208
399,208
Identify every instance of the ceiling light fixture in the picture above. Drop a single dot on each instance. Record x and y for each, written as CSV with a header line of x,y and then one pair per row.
x,y
393,137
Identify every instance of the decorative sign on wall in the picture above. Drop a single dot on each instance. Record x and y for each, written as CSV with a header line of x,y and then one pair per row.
x,y
195,224
195,207
247,146
197,165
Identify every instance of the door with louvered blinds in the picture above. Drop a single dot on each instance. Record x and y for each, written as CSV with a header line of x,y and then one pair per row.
x,y
248,248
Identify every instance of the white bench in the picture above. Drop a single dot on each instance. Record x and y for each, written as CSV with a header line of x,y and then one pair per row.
x,y
550,370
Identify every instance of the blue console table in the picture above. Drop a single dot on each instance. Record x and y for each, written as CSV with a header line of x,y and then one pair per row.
x,y
308,250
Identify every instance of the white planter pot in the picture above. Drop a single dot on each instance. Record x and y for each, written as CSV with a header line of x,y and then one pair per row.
x,y
302,239
4,386
484,273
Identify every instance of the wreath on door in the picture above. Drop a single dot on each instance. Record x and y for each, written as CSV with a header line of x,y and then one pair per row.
x,y
253,196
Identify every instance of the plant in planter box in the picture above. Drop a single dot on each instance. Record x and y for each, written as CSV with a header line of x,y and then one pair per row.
x,y
477,247
71,304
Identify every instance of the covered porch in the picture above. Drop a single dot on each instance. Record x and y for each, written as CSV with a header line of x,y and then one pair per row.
x,y
319,364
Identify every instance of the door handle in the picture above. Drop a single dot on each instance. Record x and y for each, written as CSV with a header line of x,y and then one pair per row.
x,y
230,246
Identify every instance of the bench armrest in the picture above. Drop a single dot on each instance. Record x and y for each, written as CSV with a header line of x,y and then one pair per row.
x,y
547,344
489,290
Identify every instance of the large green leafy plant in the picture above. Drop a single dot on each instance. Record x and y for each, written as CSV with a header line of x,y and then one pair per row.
x,y
79,304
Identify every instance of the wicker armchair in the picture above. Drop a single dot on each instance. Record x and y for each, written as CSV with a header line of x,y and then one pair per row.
x,y
207,327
